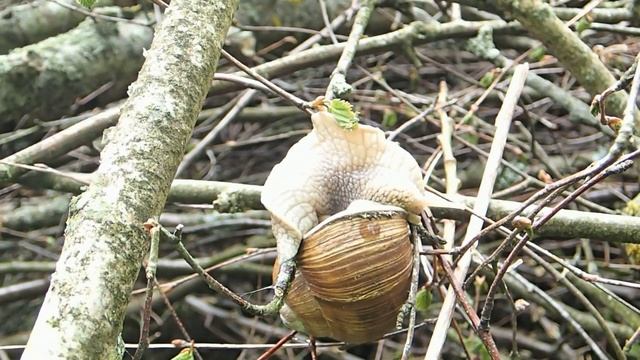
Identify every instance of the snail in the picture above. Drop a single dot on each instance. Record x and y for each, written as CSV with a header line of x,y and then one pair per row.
x,y
341,202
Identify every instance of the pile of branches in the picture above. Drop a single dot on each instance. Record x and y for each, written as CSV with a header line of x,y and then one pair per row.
x,y
521,113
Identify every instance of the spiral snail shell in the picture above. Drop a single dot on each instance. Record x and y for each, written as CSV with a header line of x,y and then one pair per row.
x,y
340,205
353,275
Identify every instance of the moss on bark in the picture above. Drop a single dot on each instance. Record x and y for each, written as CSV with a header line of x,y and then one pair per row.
x,y
105,242
539,19
26,24
44,80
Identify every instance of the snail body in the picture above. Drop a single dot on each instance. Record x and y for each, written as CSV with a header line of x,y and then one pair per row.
x,y
340,203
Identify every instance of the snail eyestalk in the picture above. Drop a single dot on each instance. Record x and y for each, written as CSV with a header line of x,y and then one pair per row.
x,y
281,286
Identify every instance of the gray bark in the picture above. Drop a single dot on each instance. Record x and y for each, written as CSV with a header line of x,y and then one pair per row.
x,y
231,197
7,3
26,24
44,80
540,20
105,242
305,13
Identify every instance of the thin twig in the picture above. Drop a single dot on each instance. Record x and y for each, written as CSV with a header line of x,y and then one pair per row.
x,y
542,193
328,29
407,124
193,155
625,132
267,354
242,101
488,305
460,295
301,104
632,341
174,314
173,284
245,81
327,23
503,121
160,3
592,278
557,307
45,169
99,16
514,323
611,338
338,86
623,82
280,286
411,301
152,264
583,12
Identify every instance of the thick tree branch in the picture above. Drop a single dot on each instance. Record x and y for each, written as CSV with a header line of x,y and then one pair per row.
x,y
105,241
234,197
539,20
72,64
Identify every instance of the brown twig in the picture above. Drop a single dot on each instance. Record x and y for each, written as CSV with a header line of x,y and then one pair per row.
x,y
152,228
301,104
338,86
502,123
486,337
488,305
267,354
176,318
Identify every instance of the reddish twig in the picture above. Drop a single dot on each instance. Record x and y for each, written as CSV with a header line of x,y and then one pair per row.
x,y
267,354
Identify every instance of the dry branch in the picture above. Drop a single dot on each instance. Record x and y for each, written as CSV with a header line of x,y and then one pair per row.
x,y
105,241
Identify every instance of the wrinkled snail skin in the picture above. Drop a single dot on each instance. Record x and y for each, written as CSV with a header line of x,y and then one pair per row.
x,y
331,167
353,271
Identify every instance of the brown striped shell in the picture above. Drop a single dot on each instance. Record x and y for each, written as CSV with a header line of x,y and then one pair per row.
x,y
354,272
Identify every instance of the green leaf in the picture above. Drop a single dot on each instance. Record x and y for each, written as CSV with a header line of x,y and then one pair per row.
x,y
389,118
185,354
470,137
87,3
583,24
476,348
423,300
538,53
634,351
595,108
487,79
343,112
